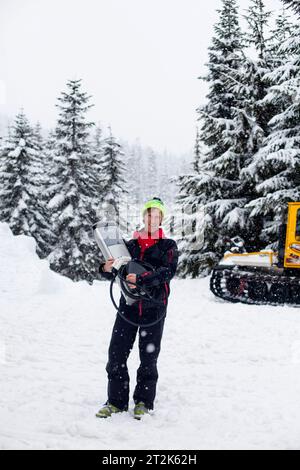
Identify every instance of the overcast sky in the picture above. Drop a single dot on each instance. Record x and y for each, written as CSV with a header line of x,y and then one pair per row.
x,y
139,59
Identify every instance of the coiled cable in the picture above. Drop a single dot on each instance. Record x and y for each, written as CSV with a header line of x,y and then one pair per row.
x,y
139,293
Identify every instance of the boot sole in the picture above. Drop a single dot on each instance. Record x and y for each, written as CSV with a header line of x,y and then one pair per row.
x,y
108,416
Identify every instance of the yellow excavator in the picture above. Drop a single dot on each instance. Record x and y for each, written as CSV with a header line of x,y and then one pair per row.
x,y
263,277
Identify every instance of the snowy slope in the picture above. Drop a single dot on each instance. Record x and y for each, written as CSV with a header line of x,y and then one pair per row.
x,y
229,374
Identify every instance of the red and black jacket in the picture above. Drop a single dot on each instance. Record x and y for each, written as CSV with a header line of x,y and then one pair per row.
x,y
163,256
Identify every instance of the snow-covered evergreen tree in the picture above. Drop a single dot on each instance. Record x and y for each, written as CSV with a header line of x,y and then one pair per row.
x,y
295,4
114,182
164,184
189,222
41,230
258,17
69,195
22,176
95,171
151,183
252,113
216,189
37,132
255,69
133,174
197,152
132,200
276,166
283,29
16,155
137,174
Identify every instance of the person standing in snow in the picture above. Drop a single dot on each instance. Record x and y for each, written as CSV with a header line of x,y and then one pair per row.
x,y
151,245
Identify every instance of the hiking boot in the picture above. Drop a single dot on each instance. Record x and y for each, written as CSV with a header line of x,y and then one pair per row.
x,y
107,410
140,410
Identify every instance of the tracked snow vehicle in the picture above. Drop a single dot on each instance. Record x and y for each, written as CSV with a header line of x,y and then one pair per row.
x,y
263,277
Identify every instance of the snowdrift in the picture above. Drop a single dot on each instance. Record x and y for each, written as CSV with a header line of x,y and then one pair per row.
x,y
228,374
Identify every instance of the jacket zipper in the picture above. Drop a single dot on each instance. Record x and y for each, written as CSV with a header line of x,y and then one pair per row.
x,y
140,302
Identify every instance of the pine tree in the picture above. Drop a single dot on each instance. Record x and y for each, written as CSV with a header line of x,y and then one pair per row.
x,y
197,152
133,174
190,221
131,202
16,157
276,166
113,170
255,69
140,173
295,4
21,182
216,189
41,230
283,29
165,187
95,171
257,17
151,184
69,194
253,112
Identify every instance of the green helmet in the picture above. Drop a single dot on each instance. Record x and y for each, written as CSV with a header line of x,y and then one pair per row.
x,y
155,202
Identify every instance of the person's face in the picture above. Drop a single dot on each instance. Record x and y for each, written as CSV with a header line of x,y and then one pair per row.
x,y
152,219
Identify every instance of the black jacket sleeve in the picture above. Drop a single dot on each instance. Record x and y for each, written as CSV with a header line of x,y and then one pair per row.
x,y
165,272
105,275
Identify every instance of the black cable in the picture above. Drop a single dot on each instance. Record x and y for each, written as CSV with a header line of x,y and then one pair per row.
x,y
136,296
130,292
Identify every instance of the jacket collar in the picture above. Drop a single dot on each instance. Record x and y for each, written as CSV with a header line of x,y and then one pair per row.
x,y
144,235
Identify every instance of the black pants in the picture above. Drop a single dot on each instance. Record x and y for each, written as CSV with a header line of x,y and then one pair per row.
x,y
122,340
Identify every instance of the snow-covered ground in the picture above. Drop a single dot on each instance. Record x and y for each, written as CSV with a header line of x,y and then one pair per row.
x,y
229,375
